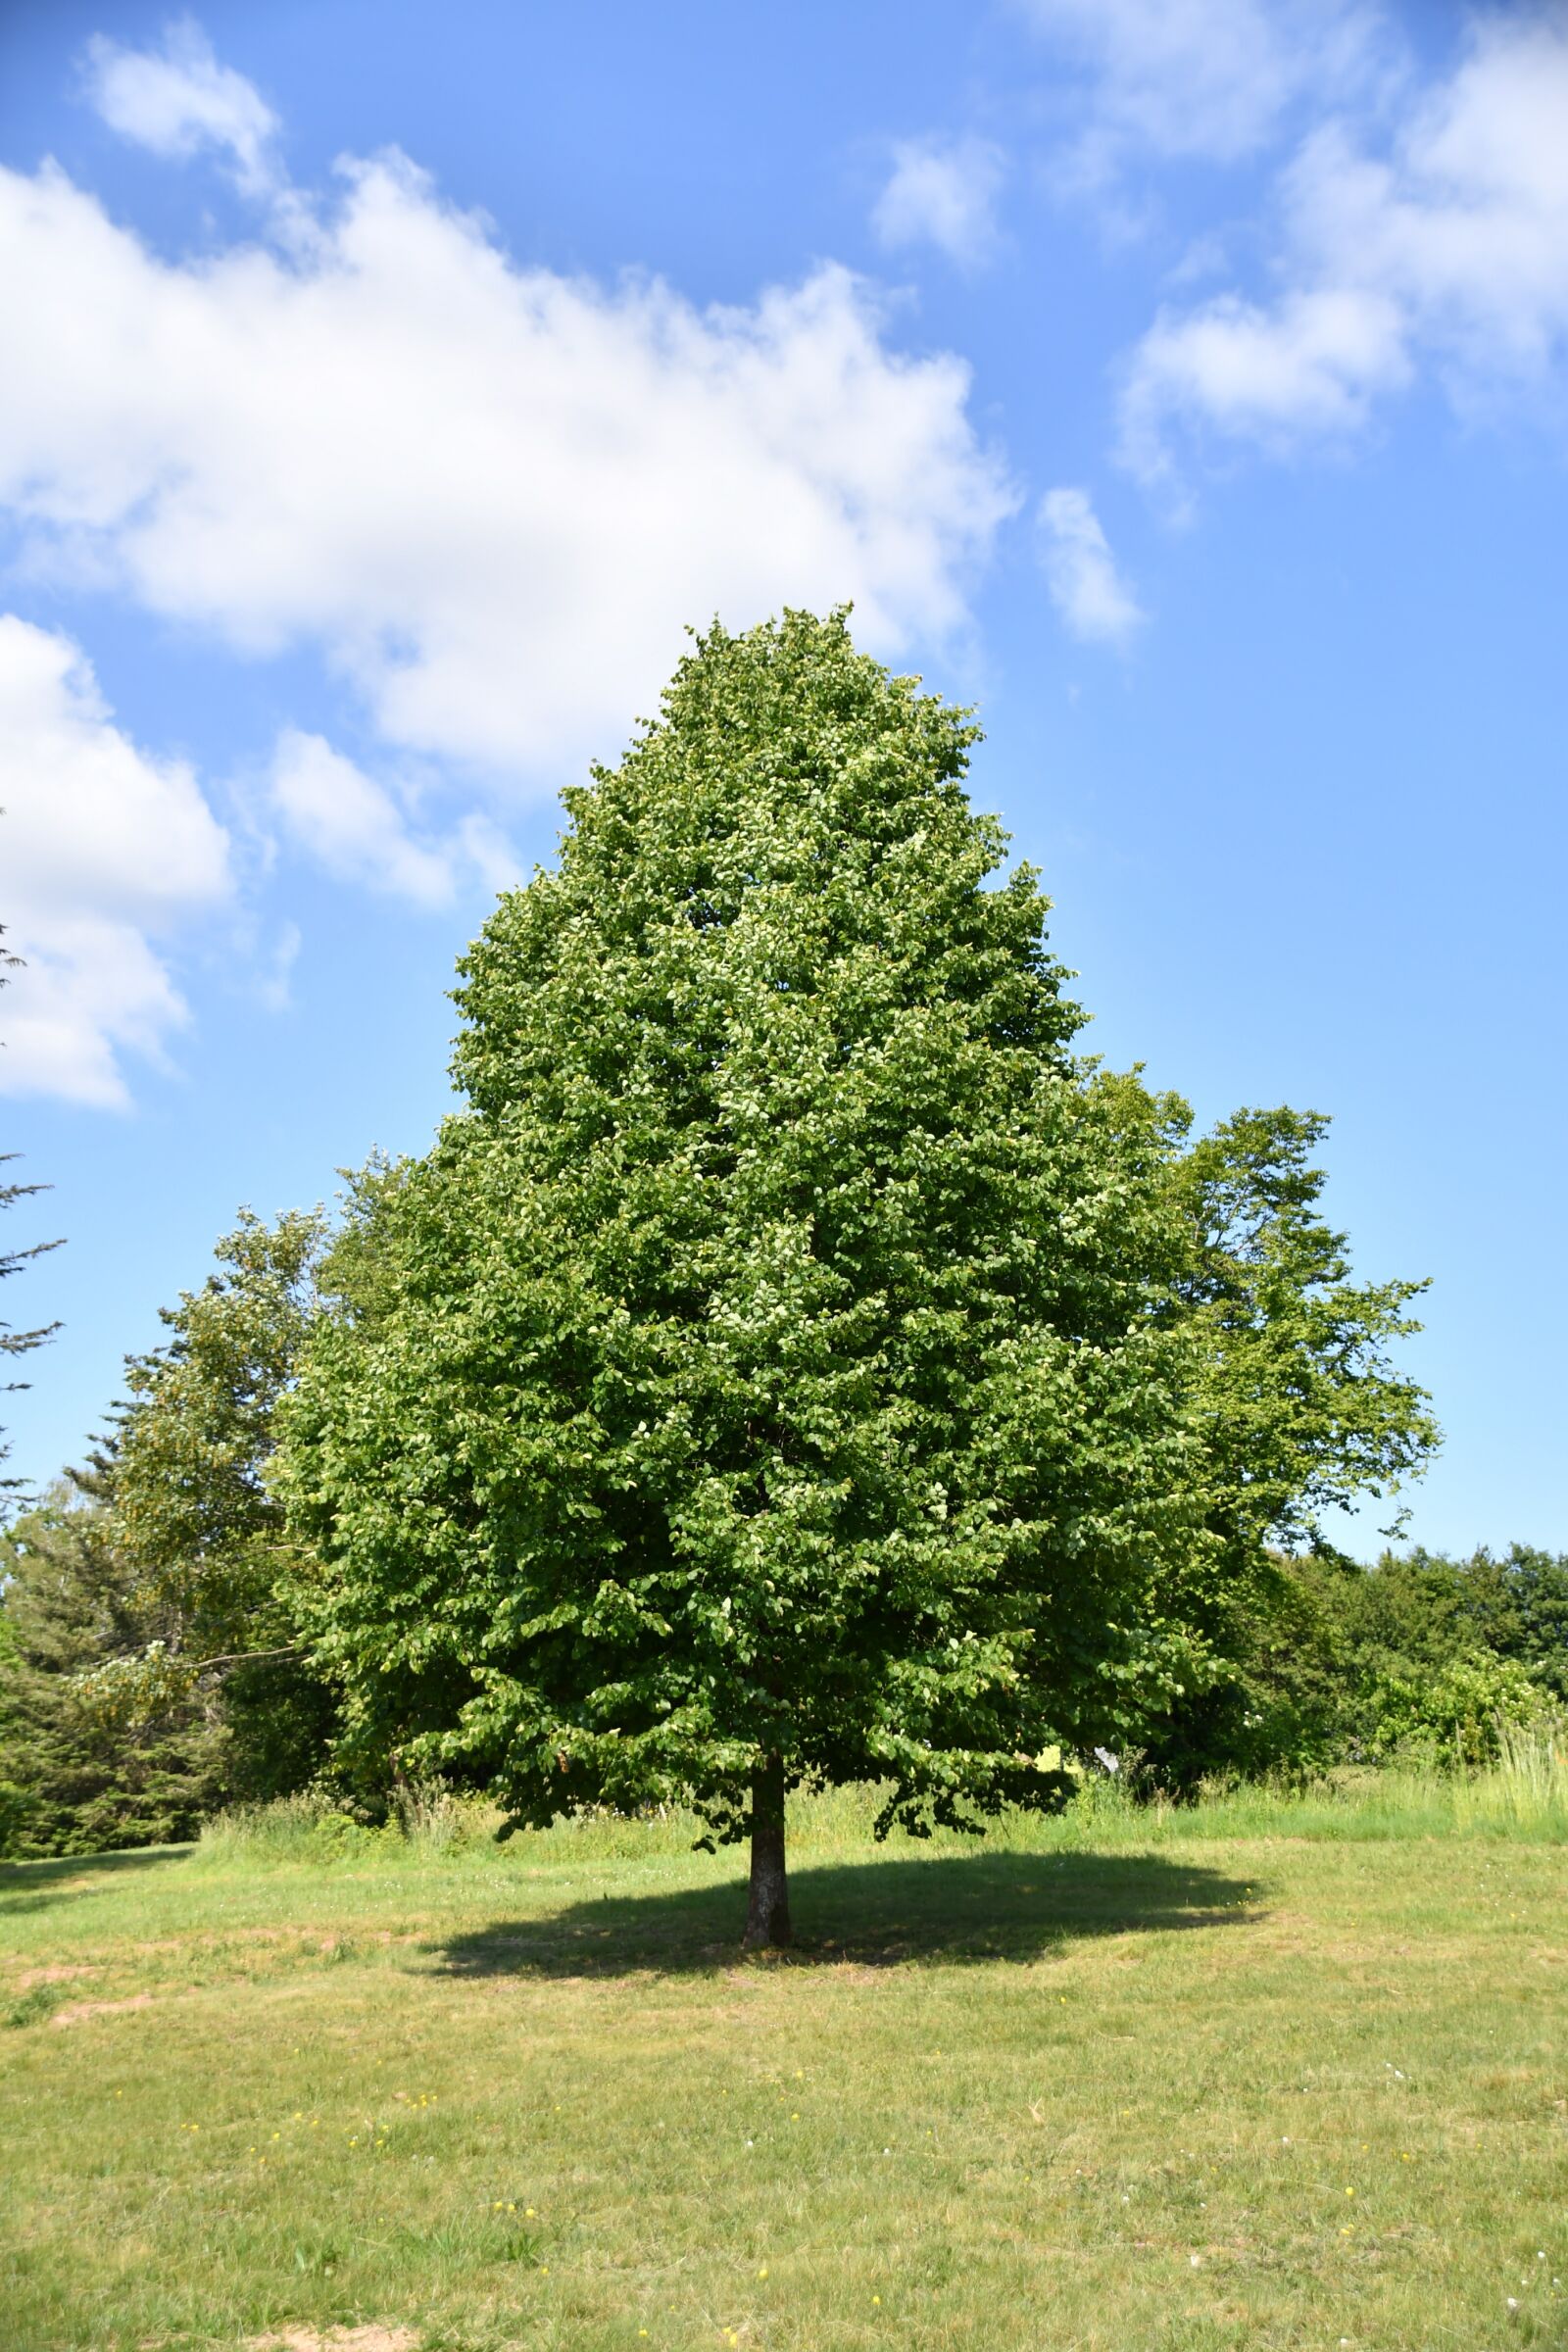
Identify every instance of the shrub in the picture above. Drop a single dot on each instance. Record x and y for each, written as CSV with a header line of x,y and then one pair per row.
x,y
1458,1715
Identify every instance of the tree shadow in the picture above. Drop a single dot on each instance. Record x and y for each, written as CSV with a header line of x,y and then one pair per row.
x,y
966,1908
41,1885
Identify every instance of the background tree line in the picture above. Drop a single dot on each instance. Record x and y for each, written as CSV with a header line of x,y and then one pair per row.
x,y
795,1361
1418,1654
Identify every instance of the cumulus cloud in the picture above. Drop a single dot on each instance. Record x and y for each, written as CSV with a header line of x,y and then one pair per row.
x,y
942,192
1086,588
1309,366
1203,80
490,495
358,830
105,850
351,824
1445,250
179,100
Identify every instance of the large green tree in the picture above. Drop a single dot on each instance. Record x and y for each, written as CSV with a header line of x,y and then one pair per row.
x,y
765,1378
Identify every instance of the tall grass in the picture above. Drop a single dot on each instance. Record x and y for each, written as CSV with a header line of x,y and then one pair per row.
x,y
1523,1793
314,1827
1526,1789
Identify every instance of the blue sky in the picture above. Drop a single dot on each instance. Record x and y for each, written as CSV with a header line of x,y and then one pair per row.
x,y
1182,380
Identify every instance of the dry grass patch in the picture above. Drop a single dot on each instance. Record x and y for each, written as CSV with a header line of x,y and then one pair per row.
x,y
77,2012
338,2339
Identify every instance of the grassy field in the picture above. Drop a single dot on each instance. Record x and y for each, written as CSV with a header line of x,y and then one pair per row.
x,y
1260,2074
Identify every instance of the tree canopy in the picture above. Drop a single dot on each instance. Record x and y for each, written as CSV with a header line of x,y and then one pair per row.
x,y
762,1378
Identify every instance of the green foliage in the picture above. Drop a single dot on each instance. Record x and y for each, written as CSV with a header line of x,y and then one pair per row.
x,y
149,1669
190,1518
14,1342
1303,1410
187,1486
794,1353
1443,1656
1426,1608
1300,1411
1278,1702
766,1364
1455,1715
1420,1652
72,1784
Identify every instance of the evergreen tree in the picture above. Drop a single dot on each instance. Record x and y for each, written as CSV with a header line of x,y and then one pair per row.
x,y
200,1541
15,1343
72,1781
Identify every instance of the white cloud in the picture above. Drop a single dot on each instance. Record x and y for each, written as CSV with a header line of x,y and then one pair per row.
x,y
481,846
352,825
358,831
491,495
104,849
1449,251
942,192
1204,78
181,99
1310,365
1086,588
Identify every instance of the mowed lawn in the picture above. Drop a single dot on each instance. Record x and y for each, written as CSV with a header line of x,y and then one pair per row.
x,y
1255,2075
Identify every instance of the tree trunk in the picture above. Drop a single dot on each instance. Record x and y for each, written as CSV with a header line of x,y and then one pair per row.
x,y
767,1917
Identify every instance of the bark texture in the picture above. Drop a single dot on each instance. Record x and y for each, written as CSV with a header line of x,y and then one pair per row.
x,y
767,1916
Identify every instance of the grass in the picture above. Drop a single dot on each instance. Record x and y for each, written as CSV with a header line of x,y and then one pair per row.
x,y
1267,2072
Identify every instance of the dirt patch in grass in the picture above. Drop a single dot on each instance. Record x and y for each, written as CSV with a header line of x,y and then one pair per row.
x,y
77,2013
337,2339
30,1976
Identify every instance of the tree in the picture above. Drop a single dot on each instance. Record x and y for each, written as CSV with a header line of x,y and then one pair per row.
x,y
1514,1605
761,1381
199,1538
1301,1412
1304,1410
149,1668
12,1342
74,1782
